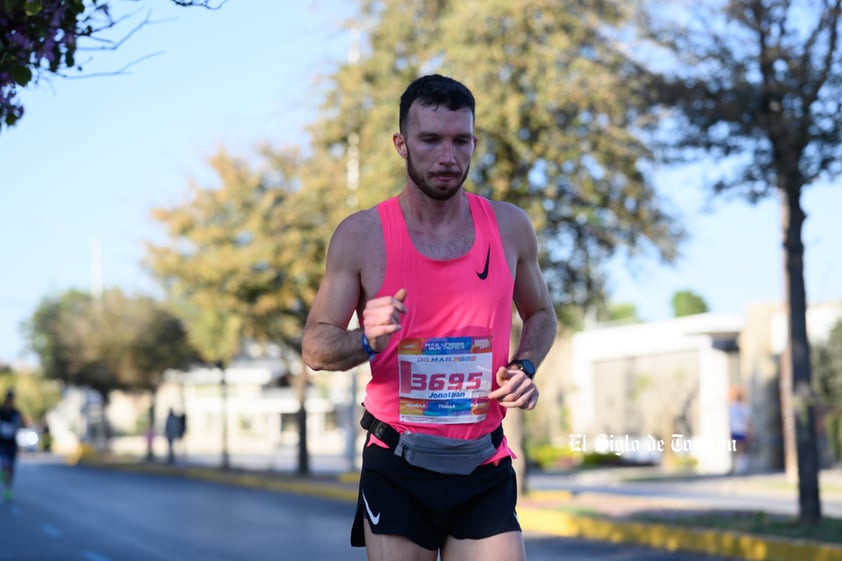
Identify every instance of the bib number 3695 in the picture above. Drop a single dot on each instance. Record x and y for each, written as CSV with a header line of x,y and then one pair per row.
x,y
454,382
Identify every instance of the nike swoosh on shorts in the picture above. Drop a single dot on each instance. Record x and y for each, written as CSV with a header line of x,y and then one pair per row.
x,y
375,520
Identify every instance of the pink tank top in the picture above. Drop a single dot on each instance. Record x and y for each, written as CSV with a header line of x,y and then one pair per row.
x,y
436,373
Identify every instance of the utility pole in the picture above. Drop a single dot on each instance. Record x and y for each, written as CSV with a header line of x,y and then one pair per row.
x,y
96,269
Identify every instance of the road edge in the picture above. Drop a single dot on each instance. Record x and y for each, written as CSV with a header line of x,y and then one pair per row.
x,y
738,545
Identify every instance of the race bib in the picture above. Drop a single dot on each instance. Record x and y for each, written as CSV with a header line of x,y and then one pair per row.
x,y
445,380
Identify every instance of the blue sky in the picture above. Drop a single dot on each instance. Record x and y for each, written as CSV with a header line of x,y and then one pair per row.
x,y
92,157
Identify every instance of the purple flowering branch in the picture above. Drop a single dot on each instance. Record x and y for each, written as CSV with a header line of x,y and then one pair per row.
x,y
40,38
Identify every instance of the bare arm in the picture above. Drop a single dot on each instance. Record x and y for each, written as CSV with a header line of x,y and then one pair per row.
x,y
327,344
533,303
532,299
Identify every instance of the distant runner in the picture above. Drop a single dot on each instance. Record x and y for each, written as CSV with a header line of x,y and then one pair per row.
x,y
10,421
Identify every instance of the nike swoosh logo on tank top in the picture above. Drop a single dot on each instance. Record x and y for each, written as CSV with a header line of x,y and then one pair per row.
x,y
484,274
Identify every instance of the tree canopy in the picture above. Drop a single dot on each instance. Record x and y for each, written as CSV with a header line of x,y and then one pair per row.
x,y
555,120
239,261
686,302
555,117
755,87
243,257
107,343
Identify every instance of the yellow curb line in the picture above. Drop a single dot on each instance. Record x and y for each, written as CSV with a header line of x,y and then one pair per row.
x,y
257,482
671,538
235,478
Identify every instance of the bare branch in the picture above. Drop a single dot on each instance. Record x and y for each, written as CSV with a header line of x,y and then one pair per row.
x,y
832,26
121,71
207,4
110,44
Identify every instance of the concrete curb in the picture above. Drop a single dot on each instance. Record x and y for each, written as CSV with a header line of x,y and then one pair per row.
x,y
673,538
750,547
313,488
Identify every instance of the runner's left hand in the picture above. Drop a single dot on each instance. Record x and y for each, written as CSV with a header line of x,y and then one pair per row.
x,y
516,389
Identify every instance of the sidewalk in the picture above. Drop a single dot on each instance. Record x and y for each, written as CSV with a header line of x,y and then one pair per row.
x,y
646,507
597,505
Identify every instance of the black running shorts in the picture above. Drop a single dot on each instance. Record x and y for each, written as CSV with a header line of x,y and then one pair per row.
x,y
8,452
427,507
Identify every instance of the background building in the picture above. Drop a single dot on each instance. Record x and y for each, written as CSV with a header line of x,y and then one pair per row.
x,y
650,381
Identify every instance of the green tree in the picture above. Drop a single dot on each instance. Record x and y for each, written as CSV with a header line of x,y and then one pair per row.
x,y
111,342
553,119
827,371
755,86
41,38
44,334
133,339
106,343
240,262
621,312
687,303
141,339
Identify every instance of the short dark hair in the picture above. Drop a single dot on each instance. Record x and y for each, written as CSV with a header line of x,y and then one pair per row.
x,y
435,90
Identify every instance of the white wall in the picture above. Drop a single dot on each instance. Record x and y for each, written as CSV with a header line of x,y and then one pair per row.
x,y
693,333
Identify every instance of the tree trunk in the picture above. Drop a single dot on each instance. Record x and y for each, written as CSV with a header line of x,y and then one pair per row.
x,y
150,431
303,454
797,388
223,390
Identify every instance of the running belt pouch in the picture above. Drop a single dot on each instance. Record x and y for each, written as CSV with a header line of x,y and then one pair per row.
x,y
444,455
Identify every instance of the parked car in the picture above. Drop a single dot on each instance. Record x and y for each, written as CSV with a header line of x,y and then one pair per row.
x,y
28,439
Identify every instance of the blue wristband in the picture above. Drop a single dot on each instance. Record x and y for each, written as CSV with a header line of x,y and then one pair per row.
x,y
367,348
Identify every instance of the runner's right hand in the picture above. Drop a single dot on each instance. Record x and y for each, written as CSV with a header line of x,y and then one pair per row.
x,y
382,317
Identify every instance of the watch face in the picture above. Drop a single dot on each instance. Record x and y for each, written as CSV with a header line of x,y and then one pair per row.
x,y
527,367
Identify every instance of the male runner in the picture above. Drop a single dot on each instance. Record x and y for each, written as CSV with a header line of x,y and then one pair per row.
x,y
10,421
433,273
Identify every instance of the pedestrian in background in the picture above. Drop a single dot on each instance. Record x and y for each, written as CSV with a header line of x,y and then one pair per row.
x,y
46,438
739,416
172,430
10,421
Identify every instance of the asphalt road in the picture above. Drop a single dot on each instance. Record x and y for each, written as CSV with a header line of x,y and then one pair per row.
x,y
63,513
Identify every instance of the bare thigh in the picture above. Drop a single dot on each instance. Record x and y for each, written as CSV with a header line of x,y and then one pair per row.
x,y
381,547
502,547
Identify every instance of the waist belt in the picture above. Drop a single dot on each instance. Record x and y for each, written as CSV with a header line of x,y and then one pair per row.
x,y
390,436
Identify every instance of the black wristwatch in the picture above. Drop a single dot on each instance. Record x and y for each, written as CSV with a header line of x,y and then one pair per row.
x,y
525,365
